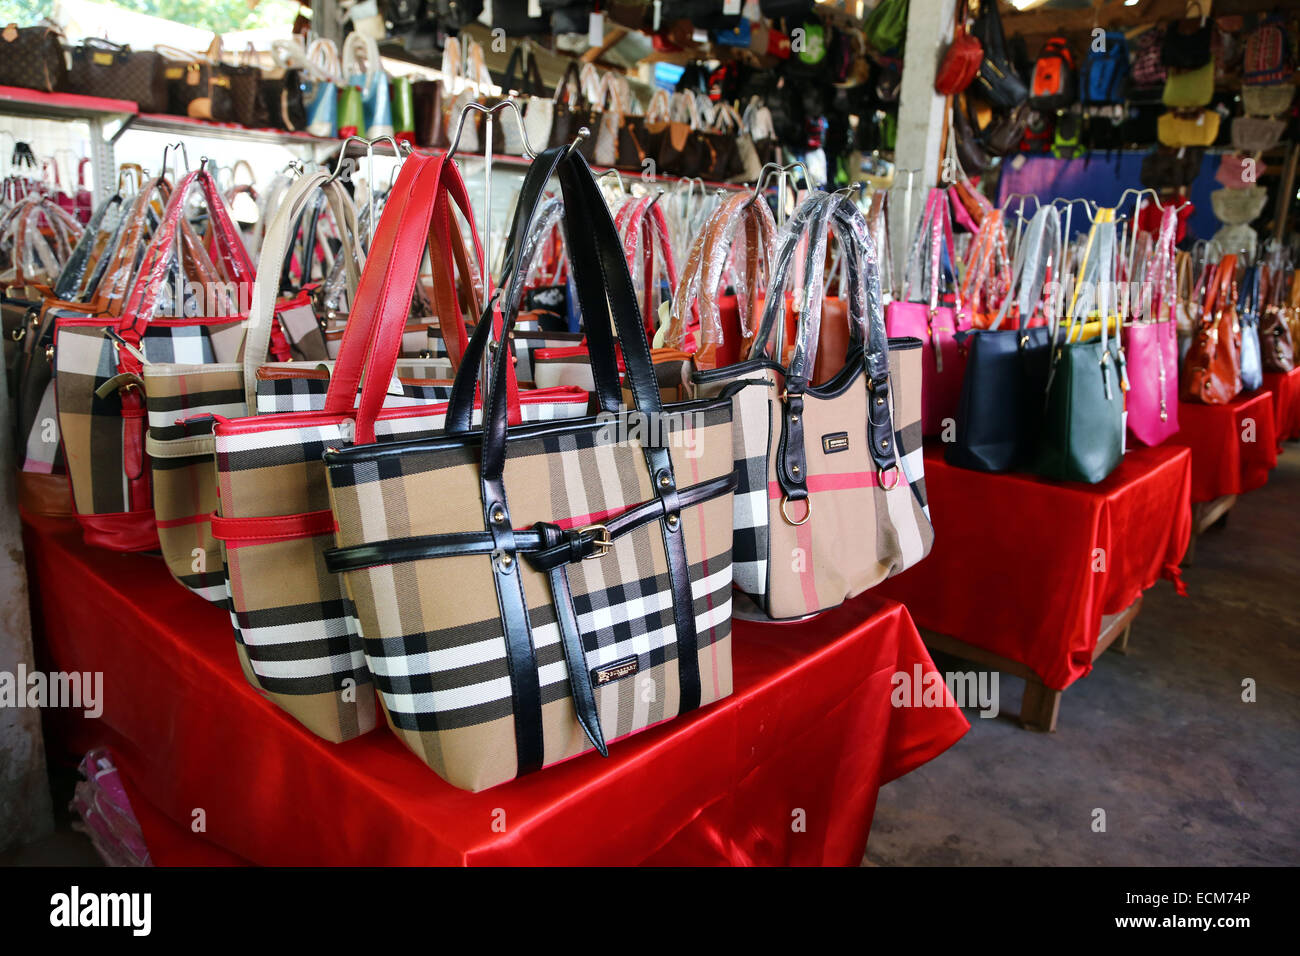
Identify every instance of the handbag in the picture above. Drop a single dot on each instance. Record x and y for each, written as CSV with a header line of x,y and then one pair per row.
x,y
930,266
832,472
403,109
426,101
523,76
571,112
1251,134
1178,130
1267,101
32,57
363,70
1170,168
183,397
1276,343
182,308
1000,410
1003,135
1082,436
1238,207
886,25
1151,343
997,80
512,712
198,85
273,516
1212,367
282,88
101,68
246,106
1252,366
1187,44
325,71
1189,89
962,59
970,151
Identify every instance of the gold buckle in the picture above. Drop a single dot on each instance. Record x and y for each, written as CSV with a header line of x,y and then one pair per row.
x,y
602,540
785,502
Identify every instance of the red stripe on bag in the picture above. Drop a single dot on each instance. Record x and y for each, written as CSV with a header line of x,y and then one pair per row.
x,y
240,532
846,481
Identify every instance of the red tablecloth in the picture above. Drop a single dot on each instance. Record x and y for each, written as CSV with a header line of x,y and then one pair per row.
x,y
1234,446
1026,567
1285,387
786,770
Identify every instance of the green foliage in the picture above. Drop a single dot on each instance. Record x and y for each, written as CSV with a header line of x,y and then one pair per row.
x,y
220,16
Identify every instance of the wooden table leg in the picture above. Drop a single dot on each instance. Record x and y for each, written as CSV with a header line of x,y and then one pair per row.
x,y
1040,706
1205,515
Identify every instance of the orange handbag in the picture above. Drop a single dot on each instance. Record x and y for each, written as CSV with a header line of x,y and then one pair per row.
x,y
1212,369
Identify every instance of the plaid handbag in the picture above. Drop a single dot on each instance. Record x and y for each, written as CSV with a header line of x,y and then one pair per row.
x,y
184,398
295,629
496,648
182,309
831,489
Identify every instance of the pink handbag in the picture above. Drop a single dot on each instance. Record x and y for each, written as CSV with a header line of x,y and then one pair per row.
x,y
930,265
1151,345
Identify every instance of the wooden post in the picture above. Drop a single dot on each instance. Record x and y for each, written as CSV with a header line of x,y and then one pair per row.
x,y
25,811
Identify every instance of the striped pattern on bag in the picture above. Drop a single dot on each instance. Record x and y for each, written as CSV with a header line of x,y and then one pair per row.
x,y
297,634
93,428
433,636
184,487
289,387
849,544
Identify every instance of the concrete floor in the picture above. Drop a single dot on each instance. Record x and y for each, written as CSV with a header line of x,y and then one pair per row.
x,y
1160,739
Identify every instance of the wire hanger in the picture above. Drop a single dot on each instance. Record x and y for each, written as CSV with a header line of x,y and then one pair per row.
x,y
185,156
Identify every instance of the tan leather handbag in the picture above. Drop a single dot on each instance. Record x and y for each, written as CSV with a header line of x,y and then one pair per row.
x,y
1212,369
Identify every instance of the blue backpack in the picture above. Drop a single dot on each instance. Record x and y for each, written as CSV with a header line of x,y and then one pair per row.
x,y
1104,73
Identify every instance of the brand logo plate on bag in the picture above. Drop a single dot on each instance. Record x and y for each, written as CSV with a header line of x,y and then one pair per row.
x,y
839,441
615,671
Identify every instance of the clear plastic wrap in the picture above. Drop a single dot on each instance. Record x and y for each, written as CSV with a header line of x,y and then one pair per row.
x,y
715,253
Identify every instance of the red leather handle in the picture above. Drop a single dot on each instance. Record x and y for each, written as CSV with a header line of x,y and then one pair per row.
x,y
237,267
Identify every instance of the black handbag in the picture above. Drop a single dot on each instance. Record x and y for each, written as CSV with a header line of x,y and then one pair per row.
x,y
101,68
1003,135
970,151
999,414
282,100
1187,44
997,80
1168,168
512,17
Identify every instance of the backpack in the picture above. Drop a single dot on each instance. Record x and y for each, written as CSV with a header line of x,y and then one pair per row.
x,y
1038,134
1066,136
1104,74
1148,70
1054,84
1267,58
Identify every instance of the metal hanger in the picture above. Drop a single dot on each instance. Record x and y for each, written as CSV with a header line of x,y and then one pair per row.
x,y
185,156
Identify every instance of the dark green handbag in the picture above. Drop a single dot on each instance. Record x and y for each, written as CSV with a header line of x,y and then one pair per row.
x,y
1083,423
887,25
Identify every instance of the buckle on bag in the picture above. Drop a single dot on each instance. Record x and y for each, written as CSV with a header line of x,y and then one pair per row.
x,y
601,540
786,515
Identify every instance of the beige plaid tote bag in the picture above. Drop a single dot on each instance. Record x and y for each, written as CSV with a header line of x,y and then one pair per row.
x,y
534,592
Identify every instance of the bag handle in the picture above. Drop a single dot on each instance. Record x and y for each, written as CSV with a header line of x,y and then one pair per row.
x,y
388,283
275,248
323,64
231,254
1035,258
360,55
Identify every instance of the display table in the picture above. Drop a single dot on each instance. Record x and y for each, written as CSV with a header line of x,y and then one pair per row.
x,y
1038,577
786,770
1233,446
1285,387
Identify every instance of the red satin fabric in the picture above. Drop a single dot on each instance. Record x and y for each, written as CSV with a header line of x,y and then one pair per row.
x,y
809,728
1012,569
1285,387
1223,463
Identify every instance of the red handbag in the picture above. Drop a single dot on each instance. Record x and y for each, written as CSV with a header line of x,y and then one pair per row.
x,y
961,61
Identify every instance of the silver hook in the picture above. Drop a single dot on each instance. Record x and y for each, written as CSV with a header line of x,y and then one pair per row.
x,y
185,156
617,175
1139,193
506,104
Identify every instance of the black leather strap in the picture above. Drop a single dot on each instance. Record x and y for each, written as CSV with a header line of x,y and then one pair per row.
x,y
575,655
542,553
